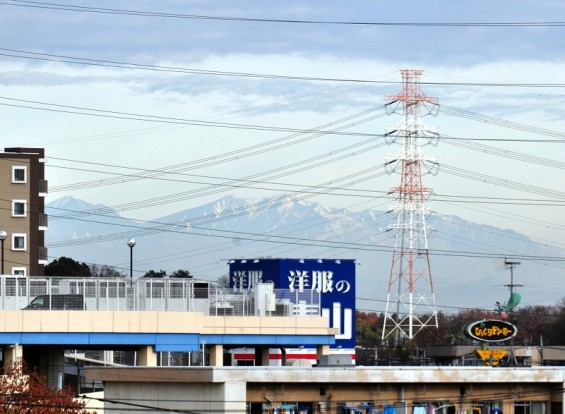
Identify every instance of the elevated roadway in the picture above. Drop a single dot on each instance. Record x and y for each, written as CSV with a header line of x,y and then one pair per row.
x,y
156,331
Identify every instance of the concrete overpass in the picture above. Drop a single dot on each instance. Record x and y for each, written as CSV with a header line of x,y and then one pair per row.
x,y
152,315
47,334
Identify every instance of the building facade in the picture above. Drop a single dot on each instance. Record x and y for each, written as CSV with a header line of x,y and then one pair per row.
x,y
333,390
23,221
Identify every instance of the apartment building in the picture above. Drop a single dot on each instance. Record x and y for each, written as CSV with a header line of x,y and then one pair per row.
x,y
22,211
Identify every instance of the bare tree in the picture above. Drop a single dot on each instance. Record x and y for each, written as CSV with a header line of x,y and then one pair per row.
x,y
105,271
223,282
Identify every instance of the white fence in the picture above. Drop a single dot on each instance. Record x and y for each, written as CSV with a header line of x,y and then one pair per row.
x,y
167,294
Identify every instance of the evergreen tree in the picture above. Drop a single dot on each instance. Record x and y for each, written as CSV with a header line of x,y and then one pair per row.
x,y
152,273
65,266
181,274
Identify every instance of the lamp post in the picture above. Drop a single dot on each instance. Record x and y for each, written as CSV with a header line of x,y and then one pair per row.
x,y
131,243
3,236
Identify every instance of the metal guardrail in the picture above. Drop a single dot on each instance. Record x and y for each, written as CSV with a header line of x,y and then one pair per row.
x,y
150,294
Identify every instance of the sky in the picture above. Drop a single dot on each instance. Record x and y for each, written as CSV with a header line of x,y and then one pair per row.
x,y
113,90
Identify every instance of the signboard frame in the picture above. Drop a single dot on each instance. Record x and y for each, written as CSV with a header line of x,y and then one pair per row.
x,y
334,279
490,330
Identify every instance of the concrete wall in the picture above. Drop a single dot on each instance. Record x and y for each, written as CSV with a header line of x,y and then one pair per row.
x,y
94,401
200,397
159,322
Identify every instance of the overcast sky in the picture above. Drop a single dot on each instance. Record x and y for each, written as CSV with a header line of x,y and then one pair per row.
x,y
74,76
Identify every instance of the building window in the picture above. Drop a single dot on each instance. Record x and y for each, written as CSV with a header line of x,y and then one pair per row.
x,y
18,271
201,290
18,208
19,175
530,407
487,407
18,241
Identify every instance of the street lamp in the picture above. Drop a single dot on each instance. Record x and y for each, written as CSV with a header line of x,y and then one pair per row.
x,y
3,236
131,243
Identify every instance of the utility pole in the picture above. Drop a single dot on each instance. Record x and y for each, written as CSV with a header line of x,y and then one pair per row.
x,y
511,264
511,304
410,303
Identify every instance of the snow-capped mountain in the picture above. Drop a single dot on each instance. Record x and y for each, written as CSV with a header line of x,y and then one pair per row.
x,y
203,238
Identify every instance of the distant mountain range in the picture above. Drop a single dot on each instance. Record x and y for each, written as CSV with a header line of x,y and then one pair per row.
x,y
203,238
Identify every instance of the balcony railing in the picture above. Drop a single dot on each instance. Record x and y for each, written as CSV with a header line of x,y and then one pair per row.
x,y
43,256
43,187
43,221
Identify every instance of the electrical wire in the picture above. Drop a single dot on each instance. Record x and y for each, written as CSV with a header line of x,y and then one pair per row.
x,y
230,234
501,182
234,155
76,110
111,11
47,57
461,113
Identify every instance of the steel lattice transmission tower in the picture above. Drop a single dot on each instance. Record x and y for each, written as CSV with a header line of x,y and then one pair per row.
x,y
410,301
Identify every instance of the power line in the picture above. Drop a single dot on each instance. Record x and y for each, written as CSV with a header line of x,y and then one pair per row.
x,y
239,154
230,234
225,217
473,175
100,10
461,113
49,57
101,113
75,110
202,223
506,153
248,183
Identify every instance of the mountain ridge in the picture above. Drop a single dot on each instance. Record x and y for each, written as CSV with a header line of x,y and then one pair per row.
x,y
202,239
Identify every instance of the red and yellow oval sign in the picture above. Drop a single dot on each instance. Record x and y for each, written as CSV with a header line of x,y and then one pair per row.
x,y
490,330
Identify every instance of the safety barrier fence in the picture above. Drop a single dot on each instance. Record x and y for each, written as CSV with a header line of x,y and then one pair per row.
x,y
152,294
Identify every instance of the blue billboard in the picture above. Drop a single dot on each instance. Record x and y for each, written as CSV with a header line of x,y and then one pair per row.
x,y
333,279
